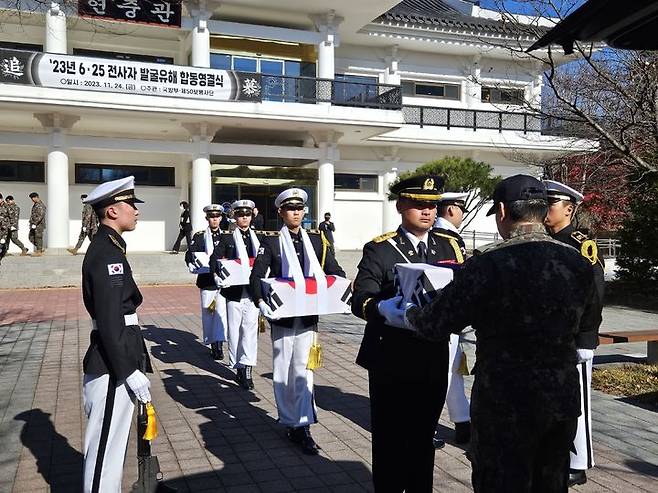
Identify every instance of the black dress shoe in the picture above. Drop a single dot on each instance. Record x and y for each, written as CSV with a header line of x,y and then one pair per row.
x,y
438,442
213,351
239,376
463,432
576,477
248,380
302,436
220,350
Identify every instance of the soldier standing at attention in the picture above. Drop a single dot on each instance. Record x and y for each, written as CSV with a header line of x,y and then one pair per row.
x,y
37,224
117,355
405,401
88,227
562,204
4,228
14,213
532,301
213,306
451,210
241,313
185,227
285,252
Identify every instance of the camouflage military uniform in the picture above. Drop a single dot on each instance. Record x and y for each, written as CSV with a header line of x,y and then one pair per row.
x,y
4,229
37,225
89,225
532,301
14,213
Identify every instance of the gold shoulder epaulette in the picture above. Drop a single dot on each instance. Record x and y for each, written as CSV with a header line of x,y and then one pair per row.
x,y
269,233
384,237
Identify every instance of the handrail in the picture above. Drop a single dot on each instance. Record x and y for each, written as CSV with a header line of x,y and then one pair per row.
x,y
472,119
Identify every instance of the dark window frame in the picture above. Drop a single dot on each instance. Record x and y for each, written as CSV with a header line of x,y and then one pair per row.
x,y
10,45
359,177
126,170
21,171
516,95
443,85
131,57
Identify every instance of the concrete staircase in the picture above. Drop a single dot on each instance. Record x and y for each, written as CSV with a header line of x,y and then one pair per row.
x,y
148,268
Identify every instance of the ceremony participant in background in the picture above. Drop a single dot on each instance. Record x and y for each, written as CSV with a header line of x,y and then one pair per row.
x,y
562,204
450,215
293,252
257,222
113,364
532,301
185,227
328,228
405,399
4,228
242,314
14,213
88,227
37,224
213,306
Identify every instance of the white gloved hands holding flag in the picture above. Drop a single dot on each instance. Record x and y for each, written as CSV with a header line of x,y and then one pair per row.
x,y
266,311
394,310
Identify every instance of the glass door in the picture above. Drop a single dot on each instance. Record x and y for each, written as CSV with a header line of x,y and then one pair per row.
x,y
272,86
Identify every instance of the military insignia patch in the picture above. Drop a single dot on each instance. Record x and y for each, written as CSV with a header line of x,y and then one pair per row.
x,y
114,269
429,184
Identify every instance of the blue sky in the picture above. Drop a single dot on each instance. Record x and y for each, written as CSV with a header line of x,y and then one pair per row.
x,y
525,6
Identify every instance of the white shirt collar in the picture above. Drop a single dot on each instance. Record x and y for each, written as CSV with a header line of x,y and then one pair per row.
x,y
445,224
414,239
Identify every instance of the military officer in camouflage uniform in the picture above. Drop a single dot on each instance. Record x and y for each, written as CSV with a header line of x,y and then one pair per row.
x,y
562,204
532,301
4,228
37,224
14,213
405,399
88,227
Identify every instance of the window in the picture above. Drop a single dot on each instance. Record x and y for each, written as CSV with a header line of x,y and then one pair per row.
x,y
502,95
20,46
362,183
155,176
33,171
428,89
133,57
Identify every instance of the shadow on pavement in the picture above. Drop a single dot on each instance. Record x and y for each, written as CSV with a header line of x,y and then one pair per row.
x,y
604,359
354,407
58,462
643,467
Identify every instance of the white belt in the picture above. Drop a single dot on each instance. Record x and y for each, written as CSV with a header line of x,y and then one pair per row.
x,y
127,319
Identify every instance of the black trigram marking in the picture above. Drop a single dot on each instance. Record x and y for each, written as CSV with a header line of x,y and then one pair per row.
x,y
347,295
275,301
424,291
223,273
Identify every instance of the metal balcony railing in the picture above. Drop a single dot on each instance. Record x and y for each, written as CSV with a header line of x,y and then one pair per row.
x,y
292,89
472,119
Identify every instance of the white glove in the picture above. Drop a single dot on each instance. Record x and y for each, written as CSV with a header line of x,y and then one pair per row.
x,y
393,310
13,228
2,241
585,355
34,226
219,282
266,311
84,229
139,384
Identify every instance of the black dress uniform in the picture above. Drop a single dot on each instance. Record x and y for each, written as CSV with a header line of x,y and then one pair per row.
x,y
185,229
407,375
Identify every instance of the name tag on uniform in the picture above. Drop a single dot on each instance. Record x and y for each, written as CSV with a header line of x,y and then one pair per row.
x,y
114,269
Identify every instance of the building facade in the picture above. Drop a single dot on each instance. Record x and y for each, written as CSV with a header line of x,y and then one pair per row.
x,y
216,101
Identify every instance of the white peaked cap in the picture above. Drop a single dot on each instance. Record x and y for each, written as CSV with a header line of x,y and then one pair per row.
x,y
291,195
243,204
112,192
562,191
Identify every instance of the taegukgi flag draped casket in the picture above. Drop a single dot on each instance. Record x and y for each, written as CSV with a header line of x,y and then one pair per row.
x,y
286,300
233,272
419,283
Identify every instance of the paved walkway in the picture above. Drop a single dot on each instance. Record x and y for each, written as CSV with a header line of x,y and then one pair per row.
x,y
215,436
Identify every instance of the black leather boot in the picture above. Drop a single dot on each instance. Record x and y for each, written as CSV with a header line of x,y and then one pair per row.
x,y
576,477
248,380
220,350
239,376
439,443
463,432
302,437
213,350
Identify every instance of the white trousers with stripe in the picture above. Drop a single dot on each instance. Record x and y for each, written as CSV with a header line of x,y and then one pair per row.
x,y
293,383
213,322
583,458
106,435
458,406
242,332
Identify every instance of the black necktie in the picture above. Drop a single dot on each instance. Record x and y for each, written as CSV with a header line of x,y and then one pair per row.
x,y
247,243
422,252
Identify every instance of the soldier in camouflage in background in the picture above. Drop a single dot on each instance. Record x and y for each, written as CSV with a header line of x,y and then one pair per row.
x,y
88,228
14,212
4,228
37,224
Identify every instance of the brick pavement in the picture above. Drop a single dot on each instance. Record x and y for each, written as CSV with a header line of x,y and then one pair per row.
x,y
215,436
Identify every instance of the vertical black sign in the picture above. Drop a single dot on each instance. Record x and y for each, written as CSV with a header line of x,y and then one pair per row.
x,y
161,12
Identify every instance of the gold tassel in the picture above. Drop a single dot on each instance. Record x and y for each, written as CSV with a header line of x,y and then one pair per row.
x,y
262,324
314,355
151,423
211,306
463,366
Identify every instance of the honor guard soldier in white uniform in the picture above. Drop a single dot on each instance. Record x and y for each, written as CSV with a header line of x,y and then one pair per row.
x,y
405,400
242,314
450,215
282,252
117,354
213,306
562,204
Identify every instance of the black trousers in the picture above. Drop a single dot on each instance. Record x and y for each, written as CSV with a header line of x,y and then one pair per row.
x,y
404,415
183,233
528,455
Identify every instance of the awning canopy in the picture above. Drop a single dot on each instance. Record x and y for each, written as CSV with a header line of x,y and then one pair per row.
x,y
629,25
